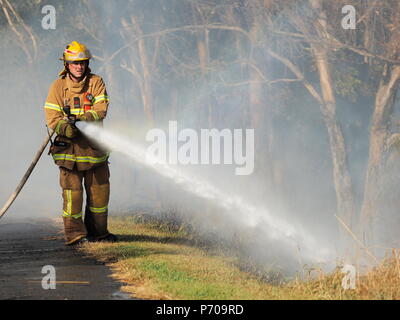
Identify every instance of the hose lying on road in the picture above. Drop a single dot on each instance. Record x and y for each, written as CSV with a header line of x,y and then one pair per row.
x,y
27,174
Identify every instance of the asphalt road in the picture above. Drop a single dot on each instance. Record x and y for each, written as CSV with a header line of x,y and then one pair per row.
x,y
27,246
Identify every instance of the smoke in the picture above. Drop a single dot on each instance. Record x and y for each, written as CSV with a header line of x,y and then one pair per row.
x,y
23,89
283,212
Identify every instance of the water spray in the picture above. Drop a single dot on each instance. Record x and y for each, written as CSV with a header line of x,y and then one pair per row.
x,y
250,216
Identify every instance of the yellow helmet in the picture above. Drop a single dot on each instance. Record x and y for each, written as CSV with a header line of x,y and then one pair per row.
x,y
76,51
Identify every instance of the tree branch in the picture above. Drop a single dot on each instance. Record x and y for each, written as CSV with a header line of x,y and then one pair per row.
x,y
189,28
298,74
393,139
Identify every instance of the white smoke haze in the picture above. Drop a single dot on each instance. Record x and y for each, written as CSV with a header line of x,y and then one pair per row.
x,y
222,203
287,221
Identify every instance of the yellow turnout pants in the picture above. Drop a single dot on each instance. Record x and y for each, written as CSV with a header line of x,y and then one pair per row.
x,y
97,187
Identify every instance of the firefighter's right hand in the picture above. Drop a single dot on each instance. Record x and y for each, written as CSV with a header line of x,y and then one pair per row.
x,y
70,131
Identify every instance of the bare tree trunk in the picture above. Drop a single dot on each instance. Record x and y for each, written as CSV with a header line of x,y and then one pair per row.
x,y
381,140
143,78
342,181
24,35
341,176
203,51
114,88
258,106
27,41
147,94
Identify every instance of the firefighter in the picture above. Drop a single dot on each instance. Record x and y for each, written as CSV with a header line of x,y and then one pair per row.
x,y
82,164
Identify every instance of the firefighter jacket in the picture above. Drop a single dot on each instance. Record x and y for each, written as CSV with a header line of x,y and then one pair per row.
x,y
77,153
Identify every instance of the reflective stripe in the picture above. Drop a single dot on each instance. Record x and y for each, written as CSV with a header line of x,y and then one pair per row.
x,y
70,215
77,111
52,106
95,115
100,98
71,157
92,159
68,194
68,212
56,107
99,210
68,157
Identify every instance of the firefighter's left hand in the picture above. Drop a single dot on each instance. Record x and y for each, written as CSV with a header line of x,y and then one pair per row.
x,y
83,118
87,117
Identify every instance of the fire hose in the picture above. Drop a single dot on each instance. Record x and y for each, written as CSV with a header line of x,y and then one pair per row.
x,y
27,174
71,119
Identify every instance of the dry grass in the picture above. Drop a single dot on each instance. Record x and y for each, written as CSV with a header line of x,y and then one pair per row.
x,y
156,262
379,283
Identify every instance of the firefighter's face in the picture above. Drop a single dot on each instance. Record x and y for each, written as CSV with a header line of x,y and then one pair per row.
x,y
77,68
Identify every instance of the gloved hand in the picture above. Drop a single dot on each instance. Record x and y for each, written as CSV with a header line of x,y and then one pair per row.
x,y
70,131
66,129
88,116
82,118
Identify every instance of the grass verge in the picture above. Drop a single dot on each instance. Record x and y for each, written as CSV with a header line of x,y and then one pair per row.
x,y
159,262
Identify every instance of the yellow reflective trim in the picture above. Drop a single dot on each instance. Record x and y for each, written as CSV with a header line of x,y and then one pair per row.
x,y
98,210
71,157
70,215
77,111
68,198
68,211
91,159
100,98
52,106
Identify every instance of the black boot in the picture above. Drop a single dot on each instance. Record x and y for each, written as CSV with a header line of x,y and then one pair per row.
x,y
78,242
96,225
109,238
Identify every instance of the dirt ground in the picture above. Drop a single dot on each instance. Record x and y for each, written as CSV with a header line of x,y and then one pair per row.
x,y
26,246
